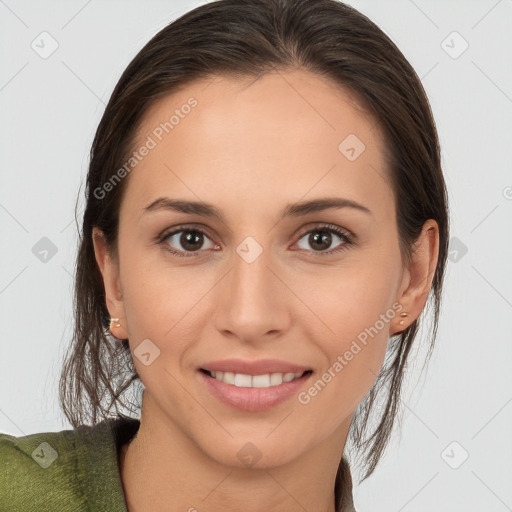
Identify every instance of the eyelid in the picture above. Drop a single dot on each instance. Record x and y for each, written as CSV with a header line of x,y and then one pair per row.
x,y
166,233
325,225
304,230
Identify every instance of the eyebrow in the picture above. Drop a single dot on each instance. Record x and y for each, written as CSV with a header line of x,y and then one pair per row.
x,y
291,210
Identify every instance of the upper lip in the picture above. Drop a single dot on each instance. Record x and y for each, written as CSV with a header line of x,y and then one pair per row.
x,y
259,367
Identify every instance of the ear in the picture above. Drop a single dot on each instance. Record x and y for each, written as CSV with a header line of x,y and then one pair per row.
x,y
109,268
417,281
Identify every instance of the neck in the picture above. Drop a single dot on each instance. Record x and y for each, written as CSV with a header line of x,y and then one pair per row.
x,y
164,469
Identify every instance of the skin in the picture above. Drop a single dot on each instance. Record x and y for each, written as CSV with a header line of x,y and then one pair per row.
x,y
250,147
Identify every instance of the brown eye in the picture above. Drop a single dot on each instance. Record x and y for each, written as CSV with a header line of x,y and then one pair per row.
x,y
186,241
320,240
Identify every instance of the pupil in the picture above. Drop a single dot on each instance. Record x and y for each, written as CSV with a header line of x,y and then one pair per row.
x,y
187,240
324,238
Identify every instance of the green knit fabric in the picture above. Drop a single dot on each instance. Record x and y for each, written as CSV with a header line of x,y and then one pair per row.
x,y
71,470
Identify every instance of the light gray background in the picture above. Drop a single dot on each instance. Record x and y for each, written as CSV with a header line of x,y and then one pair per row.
x,y
50,109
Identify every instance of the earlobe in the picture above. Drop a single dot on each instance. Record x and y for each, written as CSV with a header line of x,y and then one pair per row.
x,y
419,276
109,269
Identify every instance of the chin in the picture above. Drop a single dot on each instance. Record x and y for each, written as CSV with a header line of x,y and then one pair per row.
x,y
257,452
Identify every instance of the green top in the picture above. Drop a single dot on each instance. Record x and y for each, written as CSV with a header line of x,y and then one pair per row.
x,y
71,470
77,470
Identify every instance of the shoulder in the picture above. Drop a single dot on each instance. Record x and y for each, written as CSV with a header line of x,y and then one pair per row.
x,y
38,469
75,470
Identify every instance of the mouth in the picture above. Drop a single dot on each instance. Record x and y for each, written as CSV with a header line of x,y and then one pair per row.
x,y
264,380
253,392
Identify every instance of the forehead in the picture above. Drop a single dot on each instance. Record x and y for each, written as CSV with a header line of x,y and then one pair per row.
x,y
284,133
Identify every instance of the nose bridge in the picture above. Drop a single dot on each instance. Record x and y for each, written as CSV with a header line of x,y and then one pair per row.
x,y
249,306
251,279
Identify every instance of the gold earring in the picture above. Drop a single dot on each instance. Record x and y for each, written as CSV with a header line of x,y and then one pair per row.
x,y
402,322
112,320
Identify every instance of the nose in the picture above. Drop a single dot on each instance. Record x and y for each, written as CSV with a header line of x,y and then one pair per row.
x,y
253,301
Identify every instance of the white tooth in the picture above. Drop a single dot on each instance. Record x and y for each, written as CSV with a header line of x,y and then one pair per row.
x,y
243,381
229,378
276,379
213,374
261,381
256,381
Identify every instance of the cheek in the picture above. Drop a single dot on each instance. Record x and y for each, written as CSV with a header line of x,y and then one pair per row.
x,y
163,303
354,359
358,311
355,300
361,324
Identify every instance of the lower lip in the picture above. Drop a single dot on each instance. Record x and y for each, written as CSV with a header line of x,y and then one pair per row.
x,y
253,399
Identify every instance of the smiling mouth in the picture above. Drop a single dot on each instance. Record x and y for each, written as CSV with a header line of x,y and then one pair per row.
x,y
266,380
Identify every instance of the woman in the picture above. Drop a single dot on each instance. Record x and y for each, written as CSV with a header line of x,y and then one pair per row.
x,y
266,218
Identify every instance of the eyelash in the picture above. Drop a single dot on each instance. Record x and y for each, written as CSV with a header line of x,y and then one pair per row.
x,y
347,238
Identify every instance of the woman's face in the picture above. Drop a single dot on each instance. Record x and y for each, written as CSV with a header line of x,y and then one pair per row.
x,y
264,279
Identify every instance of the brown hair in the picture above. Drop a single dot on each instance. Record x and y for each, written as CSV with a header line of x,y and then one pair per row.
x,y
248,38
